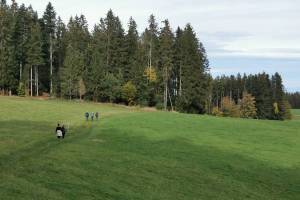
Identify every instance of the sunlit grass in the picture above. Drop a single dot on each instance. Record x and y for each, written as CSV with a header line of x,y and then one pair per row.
x,y
133,154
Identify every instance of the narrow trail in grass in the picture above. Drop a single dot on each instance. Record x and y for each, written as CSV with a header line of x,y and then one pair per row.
x,y
41,148
45,146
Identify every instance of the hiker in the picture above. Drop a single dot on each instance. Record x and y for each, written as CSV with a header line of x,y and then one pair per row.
x,y
87,116
97,116
58,131
92,116
63,130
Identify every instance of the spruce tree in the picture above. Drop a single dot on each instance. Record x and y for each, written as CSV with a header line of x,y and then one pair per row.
x,y
59,54
260,88
114,42
8,71
194,78
130,71
71,72
149,59
49,21
34,56
279,99
166,58
96,69
178,61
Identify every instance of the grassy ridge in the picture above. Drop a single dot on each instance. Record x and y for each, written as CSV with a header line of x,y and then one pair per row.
x,y
132,154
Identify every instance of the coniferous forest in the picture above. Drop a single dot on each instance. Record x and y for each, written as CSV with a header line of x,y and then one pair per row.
x,y
159,67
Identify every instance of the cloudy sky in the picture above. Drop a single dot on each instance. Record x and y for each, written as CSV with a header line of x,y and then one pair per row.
x,y
246,36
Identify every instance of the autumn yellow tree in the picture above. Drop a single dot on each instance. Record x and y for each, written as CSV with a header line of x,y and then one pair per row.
x,y
129,93
229,108
248,109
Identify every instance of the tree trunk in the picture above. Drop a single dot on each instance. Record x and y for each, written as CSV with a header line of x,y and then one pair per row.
x,y
171,101
180,81
166,96
70,90
20,72
150,55
31,81
37,80
51,65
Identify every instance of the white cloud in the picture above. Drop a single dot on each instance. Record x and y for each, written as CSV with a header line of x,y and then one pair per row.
x,y
252,27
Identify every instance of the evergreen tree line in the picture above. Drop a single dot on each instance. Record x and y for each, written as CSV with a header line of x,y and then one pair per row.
x,y
155,68
267,93
294,99
158,67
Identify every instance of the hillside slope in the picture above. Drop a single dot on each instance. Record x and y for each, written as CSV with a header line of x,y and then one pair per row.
x,y
134,154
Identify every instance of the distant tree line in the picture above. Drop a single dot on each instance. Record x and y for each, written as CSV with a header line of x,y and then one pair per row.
x,y
158,67
294,99
262,95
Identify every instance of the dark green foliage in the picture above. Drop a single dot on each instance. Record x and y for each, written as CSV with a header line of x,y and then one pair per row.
x,y
294,99
48,23
71,72
280,99
76,59
130,71
49,19
166,57
8,67
59,55
34,55
194,80
95,74
111,89
114,40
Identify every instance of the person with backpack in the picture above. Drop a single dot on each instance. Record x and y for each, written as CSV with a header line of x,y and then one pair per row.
x,y
87,116
58,132
92,116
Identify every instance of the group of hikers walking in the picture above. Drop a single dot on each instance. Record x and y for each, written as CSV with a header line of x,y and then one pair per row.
x,y
92,115
61,130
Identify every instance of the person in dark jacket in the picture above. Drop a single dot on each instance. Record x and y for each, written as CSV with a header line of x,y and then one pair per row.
x,y
87,116
63,130
92,116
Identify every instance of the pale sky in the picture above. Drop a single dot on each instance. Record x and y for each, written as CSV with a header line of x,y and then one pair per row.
x,y
240,35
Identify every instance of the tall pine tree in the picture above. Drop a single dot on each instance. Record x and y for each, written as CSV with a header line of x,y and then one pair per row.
x,y
166,58
49,22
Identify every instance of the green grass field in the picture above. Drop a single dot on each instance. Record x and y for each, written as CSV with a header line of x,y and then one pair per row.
x,y
296,114
137,154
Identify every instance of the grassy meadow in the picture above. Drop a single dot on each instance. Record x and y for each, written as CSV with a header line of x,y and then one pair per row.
x,y
296,114
133,153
